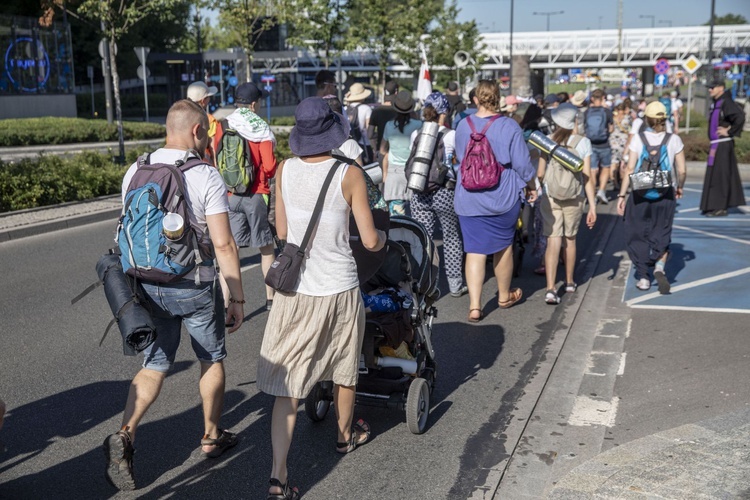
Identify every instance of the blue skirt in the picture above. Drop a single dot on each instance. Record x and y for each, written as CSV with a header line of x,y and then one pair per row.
x,y
489,234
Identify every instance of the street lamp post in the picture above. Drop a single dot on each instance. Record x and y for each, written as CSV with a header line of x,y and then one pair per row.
x,y
549,14
665,21
510,56
649,16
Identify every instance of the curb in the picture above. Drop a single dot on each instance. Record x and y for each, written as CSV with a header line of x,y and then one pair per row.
x,y
55,225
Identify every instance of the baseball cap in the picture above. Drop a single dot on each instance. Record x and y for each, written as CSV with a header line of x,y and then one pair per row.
x,y
197,91
551,99
453,86
656,110
391,87
248,93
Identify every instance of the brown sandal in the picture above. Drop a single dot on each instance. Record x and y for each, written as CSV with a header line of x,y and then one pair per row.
x,y
359,436
515,295
478,318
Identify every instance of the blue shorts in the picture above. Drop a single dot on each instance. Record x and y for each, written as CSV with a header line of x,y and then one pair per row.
x,y
199,308
601,157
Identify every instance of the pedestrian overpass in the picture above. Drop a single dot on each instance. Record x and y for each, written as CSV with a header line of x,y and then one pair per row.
x,y
639,47
606,49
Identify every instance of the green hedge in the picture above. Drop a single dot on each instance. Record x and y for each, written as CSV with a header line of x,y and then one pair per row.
x,y
48,180
51,130
697,145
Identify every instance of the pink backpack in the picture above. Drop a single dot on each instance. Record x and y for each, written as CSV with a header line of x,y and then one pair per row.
x,y
479,168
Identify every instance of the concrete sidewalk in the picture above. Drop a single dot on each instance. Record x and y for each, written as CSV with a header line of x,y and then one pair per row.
x,y
707,459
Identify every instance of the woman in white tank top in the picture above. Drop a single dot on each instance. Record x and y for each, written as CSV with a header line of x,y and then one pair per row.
x,y
316,332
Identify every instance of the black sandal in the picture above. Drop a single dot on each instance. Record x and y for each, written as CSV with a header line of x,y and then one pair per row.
x,y
287,492
359,429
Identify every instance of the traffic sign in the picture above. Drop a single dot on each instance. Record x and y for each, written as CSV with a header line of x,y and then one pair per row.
x,y
268,87
660,80
267,78
661,67
102,45
691,64
142,53
140,72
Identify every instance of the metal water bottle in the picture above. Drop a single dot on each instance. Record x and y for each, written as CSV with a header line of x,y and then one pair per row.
x,y
420,170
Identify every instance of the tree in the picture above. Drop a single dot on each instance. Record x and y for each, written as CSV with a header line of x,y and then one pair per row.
x,y
245,21
116,18
448,36
320,24
727,19
385,26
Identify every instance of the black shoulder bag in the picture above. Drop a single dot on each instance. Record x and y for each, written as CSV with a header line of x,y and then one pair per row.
x,y
284,272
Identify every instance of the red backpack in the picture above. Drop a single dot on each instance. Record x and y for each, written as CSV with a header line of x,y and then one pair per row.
x,y
479,168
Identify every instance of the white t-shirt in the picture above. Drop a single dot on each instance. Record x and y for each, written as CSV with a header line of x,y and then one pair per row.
x,y
206,193
676,104
449,140
674,146
351,149
364,112
637,126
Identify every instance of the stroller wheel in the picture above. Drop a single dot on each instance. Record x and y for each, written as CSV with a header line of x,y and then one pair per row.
x,y
316,405
418,406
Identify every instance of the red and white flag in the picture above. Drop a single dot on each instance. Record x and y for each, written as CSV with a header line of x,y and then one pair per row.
x,y
424,86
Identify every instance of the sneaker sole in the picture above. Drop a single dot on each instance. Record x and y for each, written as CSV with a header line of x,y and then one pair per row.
x,y
663,282
113,451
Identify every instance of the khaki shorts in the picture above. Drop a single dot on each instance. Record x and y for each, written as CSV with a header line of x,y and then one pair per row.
x,y
561,218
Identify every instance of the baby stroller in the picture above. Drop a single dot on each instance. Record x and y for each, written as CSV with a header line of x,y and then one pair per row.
x,y
404,376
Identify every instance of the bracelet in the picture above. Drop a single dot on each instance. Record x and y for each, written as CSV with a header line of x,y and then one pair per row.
x,y
235,301
622,195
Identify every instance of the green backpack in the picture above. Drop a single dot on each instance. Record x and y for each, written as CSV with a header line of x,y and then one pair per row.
x,y
233,160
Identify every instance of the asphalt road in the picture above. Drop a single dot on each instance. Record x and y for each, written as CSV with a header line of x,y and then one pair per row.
x,y
65,394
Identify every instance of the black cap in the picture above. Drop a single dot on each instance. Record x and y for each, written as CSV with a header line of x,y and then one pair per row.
x,y
453,86
248,93
391,87
717,82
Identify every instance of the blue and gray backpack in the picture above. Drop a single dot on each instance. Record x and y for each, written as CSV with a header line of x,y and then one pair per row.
x,y
654,159
146,253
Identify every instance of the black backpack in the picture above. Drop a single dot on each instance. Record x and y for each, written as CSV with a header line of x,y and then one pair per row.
x,y
438,170
355,132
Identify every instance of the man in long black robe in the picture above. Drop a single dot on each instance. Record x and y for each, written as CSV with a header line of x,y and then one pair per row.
x,y
722,186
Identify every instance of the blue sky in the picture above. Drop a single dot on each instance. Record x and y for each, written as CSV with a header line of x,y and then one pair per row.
x,y
494,15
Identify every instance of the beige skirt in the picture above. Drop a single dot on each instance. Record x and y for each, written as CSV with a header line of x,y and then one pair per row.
x,y
309,339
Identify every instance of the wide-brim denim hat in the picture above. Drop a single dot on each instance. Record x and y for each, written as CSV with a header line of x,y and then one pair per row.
x,y
565,116
318,129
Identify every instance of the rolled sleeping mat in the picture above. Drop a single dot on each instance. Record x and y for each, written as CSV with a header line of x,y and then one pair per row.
x,y
420,170
126,301
375,172
561,154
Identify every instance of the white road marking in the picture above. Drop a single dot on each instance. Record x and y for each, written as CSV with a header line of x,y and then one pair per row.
x,y
621,369
713,235
588,412
686,210
710,219
627,331
693,190
689,285
688,308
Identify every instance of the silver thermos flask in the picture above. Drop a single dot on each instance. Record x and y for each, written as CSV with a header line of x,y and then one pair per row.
x,y
420,170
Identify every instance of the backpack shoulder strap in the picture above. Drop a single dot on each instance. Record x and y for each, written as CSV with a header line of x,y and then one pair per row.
x,y
667,136
576,140
489,123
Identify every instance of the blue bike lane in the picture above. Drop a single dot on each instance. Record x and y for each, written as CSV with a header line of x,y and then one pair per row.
x,y
708,266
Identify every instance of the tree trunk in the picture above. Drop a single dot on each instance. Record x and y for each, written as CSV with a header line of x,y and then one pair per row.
x,y
118,106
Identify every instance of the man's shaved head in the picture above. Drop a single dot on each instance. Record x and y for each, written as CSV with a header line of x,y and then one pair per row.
x,y
187,126
183,116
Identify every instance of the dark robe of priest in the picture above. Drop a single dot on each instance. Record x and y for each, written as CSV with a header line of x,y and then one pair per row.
x,y
722,186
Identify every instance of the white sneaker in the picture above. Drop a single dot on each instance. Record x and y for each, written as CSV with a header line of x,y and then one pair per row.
x,y
643,284
602,196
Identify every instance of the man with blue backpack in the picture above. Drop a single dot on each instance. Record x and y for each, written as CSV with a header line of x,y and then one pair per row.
x,y
657,173
598,124
174,223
